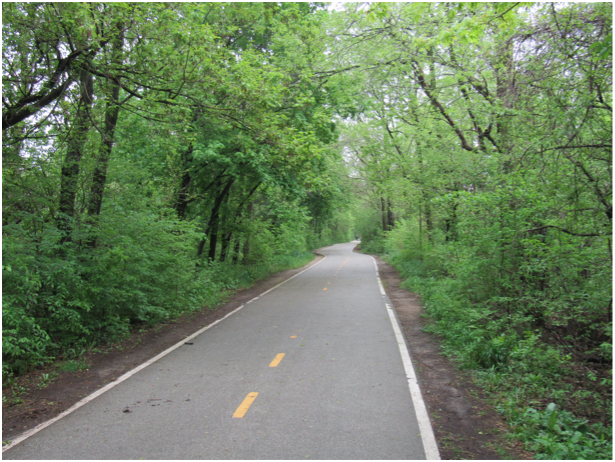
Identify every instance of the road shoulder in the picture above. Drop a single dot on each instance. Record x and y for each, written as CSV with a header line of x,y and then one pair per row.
x,y
465,425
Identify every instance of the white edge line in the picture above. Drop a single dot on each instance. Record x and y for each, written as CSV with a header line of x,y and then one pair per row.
x,y
378,278
132,372
427,435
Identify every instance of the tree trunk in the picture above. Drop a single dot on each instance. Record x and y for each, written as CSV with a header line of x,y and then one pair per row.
x,y
428,220
215,183
246,250
383,212
226,240
214,221
74,153
451,224
246,245
199,251
421,230
424,195
99,177
390,216
112,111
504,75
182,200
236,249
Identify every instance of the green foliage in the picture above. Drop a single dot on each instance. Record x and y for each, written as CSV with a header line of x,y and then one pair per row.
x,y
178,184
47,378
562,436
483,165
517,370
142,273
73,365
145,273
475,152
510,354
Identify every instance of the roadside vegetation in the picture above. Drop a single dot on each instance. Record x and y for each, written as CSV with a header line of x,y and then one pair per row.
x,y
485,172
155,158
158,156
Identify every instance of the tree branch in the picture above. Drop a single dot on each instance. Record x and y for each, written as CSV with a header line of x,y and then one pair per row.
x,y
597,146
562,230
9,119
421,79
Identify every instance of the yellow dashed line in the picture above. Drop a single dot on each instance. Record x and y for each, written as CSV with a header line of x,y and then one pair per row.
x,y
342,265
277,360
324,288
293,336
245,405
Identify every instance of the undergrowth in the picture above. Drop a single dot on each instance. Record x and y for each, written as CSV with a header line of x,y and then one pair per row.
x,y
550,401
63,298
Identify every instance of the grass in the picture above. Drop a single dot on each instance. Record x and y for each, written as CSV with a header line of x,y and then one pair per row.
x,y
73,365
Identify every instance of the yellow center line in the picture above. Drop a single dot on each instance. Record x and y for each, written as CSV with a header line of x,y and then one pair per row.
x,y
324,288
277,360
245,405
293,336
343,264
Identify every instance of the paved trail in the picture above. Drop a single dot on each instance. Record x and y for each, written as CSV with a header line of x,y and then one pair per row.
x,y
311,370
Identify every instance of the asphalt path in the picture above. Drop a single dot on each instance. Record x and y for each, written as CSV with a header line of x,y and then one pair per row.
x,y
310,370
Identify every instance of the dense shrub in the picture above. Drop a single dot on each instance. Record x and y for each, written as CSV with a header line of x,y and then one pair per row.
x,y
485,325
60,296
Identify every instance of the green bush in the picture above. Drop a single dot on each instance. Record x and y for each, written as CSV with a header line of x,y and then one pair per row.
x,y
58,297
557,434
488,324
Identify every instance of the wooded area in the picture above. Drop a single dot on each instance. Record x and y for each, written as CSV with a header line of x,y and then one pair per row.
x,y
485,156
158,155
